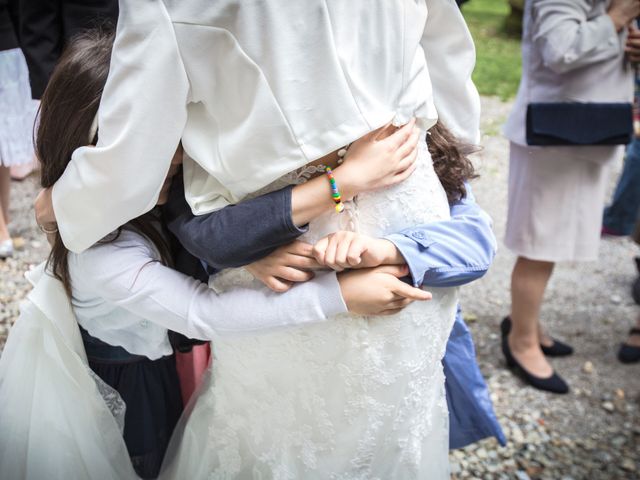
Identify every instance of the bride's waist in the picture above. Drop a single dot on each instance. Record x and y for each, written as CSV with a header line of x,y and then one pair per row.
x,y
419,330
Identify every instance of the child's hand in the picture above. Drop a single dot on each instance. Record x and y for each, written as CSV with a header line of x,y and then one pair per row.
x,y
378,291
378,160
286,265
342,250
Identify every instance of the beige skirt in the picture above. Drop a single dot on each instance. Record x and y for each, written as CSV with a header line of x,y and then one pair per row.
x,y
556,197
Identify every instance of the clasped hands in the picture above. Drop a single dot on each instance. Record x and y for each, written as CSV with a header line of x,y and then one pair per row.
x,y
369,271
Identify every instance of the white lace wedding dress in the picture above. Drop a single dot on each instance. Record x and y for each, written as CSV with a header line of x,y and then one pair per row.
x,y
351,398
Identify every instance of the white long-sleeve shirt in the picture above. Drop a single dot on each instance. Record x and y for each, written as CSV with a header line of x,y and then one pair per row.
x,y
125,297
256,90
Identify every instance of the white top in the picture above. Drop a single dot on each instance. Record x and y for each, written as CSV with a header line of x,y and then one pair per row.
x,y
571,52
125,297
256,89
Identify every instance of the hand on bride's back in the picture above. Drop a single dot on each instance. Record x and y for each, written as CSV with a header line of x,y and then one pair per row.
x,y
285,266
380,159
378,291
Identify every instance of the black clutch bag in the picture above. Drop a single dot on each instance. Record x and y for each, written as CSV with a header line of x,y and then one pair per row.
x,y
579,123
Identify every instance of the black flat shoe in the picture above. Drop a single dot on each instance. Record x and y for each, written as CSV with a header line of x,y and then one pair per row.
x,y
629,353
557,349
554,384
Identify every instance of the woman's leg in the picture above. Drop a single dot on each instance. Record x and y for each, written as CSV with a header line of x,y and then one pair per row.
x,y
5,184
528,283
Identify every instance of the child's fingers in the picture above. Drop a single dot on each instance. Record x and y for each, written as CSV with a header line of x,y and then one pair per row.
x,y
406,291
407,160
401,135
400,303
330,254
320,250
342,251
298,261
356,250
410,145
397,271
300,248
402,176
293,274
277,285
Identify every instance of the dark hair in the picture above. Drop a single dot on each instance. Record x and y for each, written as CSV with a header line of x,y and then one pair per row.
x,y
67,110
451,161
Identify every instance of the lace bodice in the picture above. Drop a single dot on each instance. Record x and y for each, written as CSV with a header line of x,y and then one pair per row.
x,y
351,398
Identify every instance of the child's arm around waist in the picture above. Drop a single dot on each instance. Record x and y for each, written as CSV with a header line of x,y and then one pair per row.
x,y
127,274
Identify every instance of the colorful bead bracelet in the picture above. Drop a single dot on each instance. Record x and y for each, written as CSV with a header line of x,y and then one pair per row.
x,y
335,193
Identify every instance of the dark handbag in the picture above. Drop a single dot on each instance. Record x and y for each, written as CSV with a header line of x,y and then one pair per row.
x,y
579,123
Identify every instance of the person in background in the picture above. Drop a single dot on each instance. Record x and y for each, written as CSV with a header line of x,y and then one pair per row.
x,y
16,114
572,50
45,28
47,25
620,217
629,351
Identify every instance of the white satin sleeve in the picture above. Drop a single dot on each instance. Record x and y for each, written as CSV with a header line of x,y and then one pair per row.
x,y
145,98
451,58
125,274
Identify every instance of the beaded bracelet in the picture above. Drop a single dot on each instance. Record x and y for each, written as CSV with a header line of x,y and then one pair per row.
x,y
335,193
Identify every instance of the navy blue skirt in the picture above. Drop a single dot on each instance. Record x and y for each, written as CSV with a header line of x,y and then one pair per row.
x,y
151,392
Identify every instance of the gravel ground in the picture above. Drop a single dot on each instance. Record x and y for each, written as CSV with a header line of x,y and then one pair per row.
x,y
592,433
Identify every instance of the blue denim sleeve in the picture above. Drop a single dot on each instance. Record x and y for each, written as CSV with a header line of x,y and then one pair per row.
x,y
235,235
450,252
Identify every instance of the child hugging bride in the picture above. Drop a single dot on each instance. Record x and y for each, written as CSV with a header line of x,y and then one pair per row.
x,y
93,337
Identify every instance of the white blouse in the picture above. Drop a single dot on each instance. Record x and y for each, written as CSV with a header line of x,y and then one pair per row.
x,y
256,89
126,298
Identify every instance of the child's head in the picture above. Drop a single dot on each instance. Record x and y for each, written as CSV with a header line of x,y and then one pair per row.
x,y
66,122
70,102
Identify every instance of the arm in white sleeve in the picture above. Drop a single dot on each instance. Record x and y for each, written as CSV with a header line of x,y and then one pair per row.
x,y
141,119
126,274
451,58
568,39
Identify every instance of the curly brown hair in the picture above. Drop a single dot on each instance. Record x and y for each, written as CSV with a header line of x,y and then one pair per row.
x,y
451,161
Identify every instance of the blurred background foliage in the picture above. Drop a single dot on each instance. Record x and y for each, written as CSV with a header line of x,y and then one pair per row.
x,y
496,28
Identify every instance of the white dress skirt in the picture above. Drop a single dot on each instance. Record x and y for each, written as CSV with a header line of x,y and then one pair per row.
x,y
59,420
556,199
17,110
351,398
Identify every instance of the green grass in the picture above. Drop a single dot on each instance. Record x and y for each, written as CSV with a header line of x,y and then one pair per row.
x,y
498,64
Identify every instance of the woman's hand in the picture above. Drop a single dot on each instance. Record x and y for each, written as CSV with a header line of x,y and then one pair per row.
x,y
379,159
632,47
285,266
623,12
378,291
343,250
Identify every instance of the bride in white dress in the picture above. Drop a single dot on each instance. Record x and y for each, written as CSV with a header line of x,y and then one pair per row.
x,y
352,398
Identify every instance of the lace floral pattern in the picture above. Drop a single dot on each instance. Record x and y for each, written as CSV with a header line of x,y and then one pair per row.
x,y
348,399
111,398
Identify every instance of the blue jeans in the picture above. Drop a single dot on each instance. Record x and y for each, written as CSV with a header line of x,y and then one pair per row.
x,y
471,415
620,217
